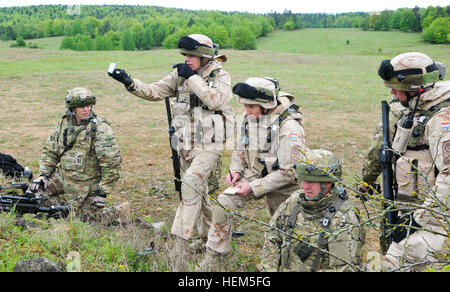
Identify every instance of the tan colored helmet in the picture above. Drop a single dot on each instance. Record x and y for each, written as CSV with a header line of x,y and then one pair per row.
x,y
409,72
197,45
79,97
256,90
319,165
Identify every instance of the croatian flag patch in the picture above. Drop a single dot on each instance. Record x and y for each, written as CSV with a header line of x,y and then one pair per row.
x,y
294,136
446,126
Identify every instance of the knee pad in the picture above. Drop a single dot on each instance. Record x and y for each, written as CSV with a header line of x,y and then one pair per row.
x,y
220,214
192,188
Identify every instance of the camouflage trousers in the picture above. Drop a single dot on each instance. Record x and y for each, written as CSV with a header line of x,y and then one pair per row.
x,y
221,230
194,212
83,206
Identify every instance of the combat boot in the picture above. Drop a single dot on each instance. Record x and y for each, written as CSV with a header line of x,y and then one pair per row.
x,y
179,253
197,245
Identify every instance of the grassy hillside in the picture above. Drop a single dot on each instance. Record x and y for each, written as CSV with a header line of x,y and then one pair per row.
x,y
335,84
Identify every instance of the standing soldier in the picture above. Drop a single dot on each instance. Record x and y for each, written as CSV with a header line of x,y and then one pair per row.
x,y
270,143
316,229
421,143
80,162
203,92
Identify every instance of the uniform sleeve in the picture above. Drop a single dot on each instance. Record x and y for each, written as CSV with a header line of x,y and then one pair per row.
x,y
238,162
438,136
292,144
371,166
109,157
217,95
50,152
157,90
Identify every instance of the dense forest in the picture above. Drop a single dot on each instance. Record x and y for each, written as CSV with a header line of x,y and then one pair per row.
x,y
126,27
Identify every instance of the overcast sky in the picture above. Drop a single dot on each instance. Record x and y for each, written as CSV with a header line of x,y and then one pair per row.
x,y
260,6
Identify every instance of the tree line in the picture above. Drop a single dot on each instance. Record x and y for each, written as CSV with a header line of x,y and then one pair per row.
x,y
432,22
116,27
127,27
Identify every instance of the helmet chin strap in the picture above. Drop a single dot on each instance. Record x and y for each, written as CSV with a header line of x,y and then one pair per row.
x,y
322,192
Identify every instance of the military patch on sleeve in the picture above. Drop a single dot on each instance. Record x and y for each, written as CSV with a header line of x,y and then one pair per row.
x,y
294,137
446,126
225,78
446,152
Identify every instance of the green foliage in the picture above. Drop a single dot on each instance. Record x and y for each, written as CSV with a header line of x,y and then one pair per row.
x,y
289,25
438,31
242,38
128,41
152,26
407,20
78,43
218,34
136,27
20,42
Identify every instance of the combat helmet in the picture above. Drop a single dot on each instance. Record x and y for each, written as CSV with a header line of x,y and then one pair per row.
x,y
319,165
260,91
410,72
79,97
198,45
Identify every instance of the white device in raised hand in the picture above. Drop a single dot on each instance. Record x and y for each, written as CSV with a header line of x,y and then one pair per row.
x,y
111,68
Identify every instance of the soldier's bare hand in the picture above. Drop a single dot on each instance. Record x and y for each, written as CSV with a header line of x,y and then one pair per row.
x,y
244,188
232,180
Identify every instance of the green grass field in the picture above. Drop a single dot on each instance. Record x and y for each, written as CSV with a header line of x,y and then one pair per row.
x,y
336,85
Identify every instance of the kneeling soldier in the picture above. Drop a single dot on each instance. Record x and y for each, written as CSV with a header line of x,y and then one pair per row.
x,y
316,229
259,167
80,162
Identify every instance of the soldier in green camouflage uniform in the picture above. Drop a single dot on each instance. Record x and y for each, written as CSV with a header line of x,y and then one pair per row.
x,y
80,162
316,229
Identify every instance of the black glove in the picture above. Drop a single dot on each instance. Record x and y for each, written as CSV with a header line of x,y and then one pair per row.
x,y
400,232
121,76
184,70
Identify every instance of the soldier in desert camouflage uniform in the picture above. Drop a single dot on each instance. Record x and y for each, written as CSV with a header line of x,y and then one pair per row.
x,y
201,111
270,141
315,229
422,162
80,162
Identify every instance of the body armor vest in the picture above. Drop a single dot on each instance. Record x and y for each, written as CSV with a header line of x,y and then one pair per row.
x,y
264,161
415,171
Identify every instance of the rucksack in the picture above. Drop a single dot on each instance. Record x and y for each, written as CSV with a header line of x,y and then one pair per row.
x,y
9,166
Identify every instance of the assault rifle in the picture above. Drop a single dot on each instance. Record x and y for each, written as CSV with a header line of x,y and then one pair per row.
x,y
175,157
29,203
386,159
23,186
